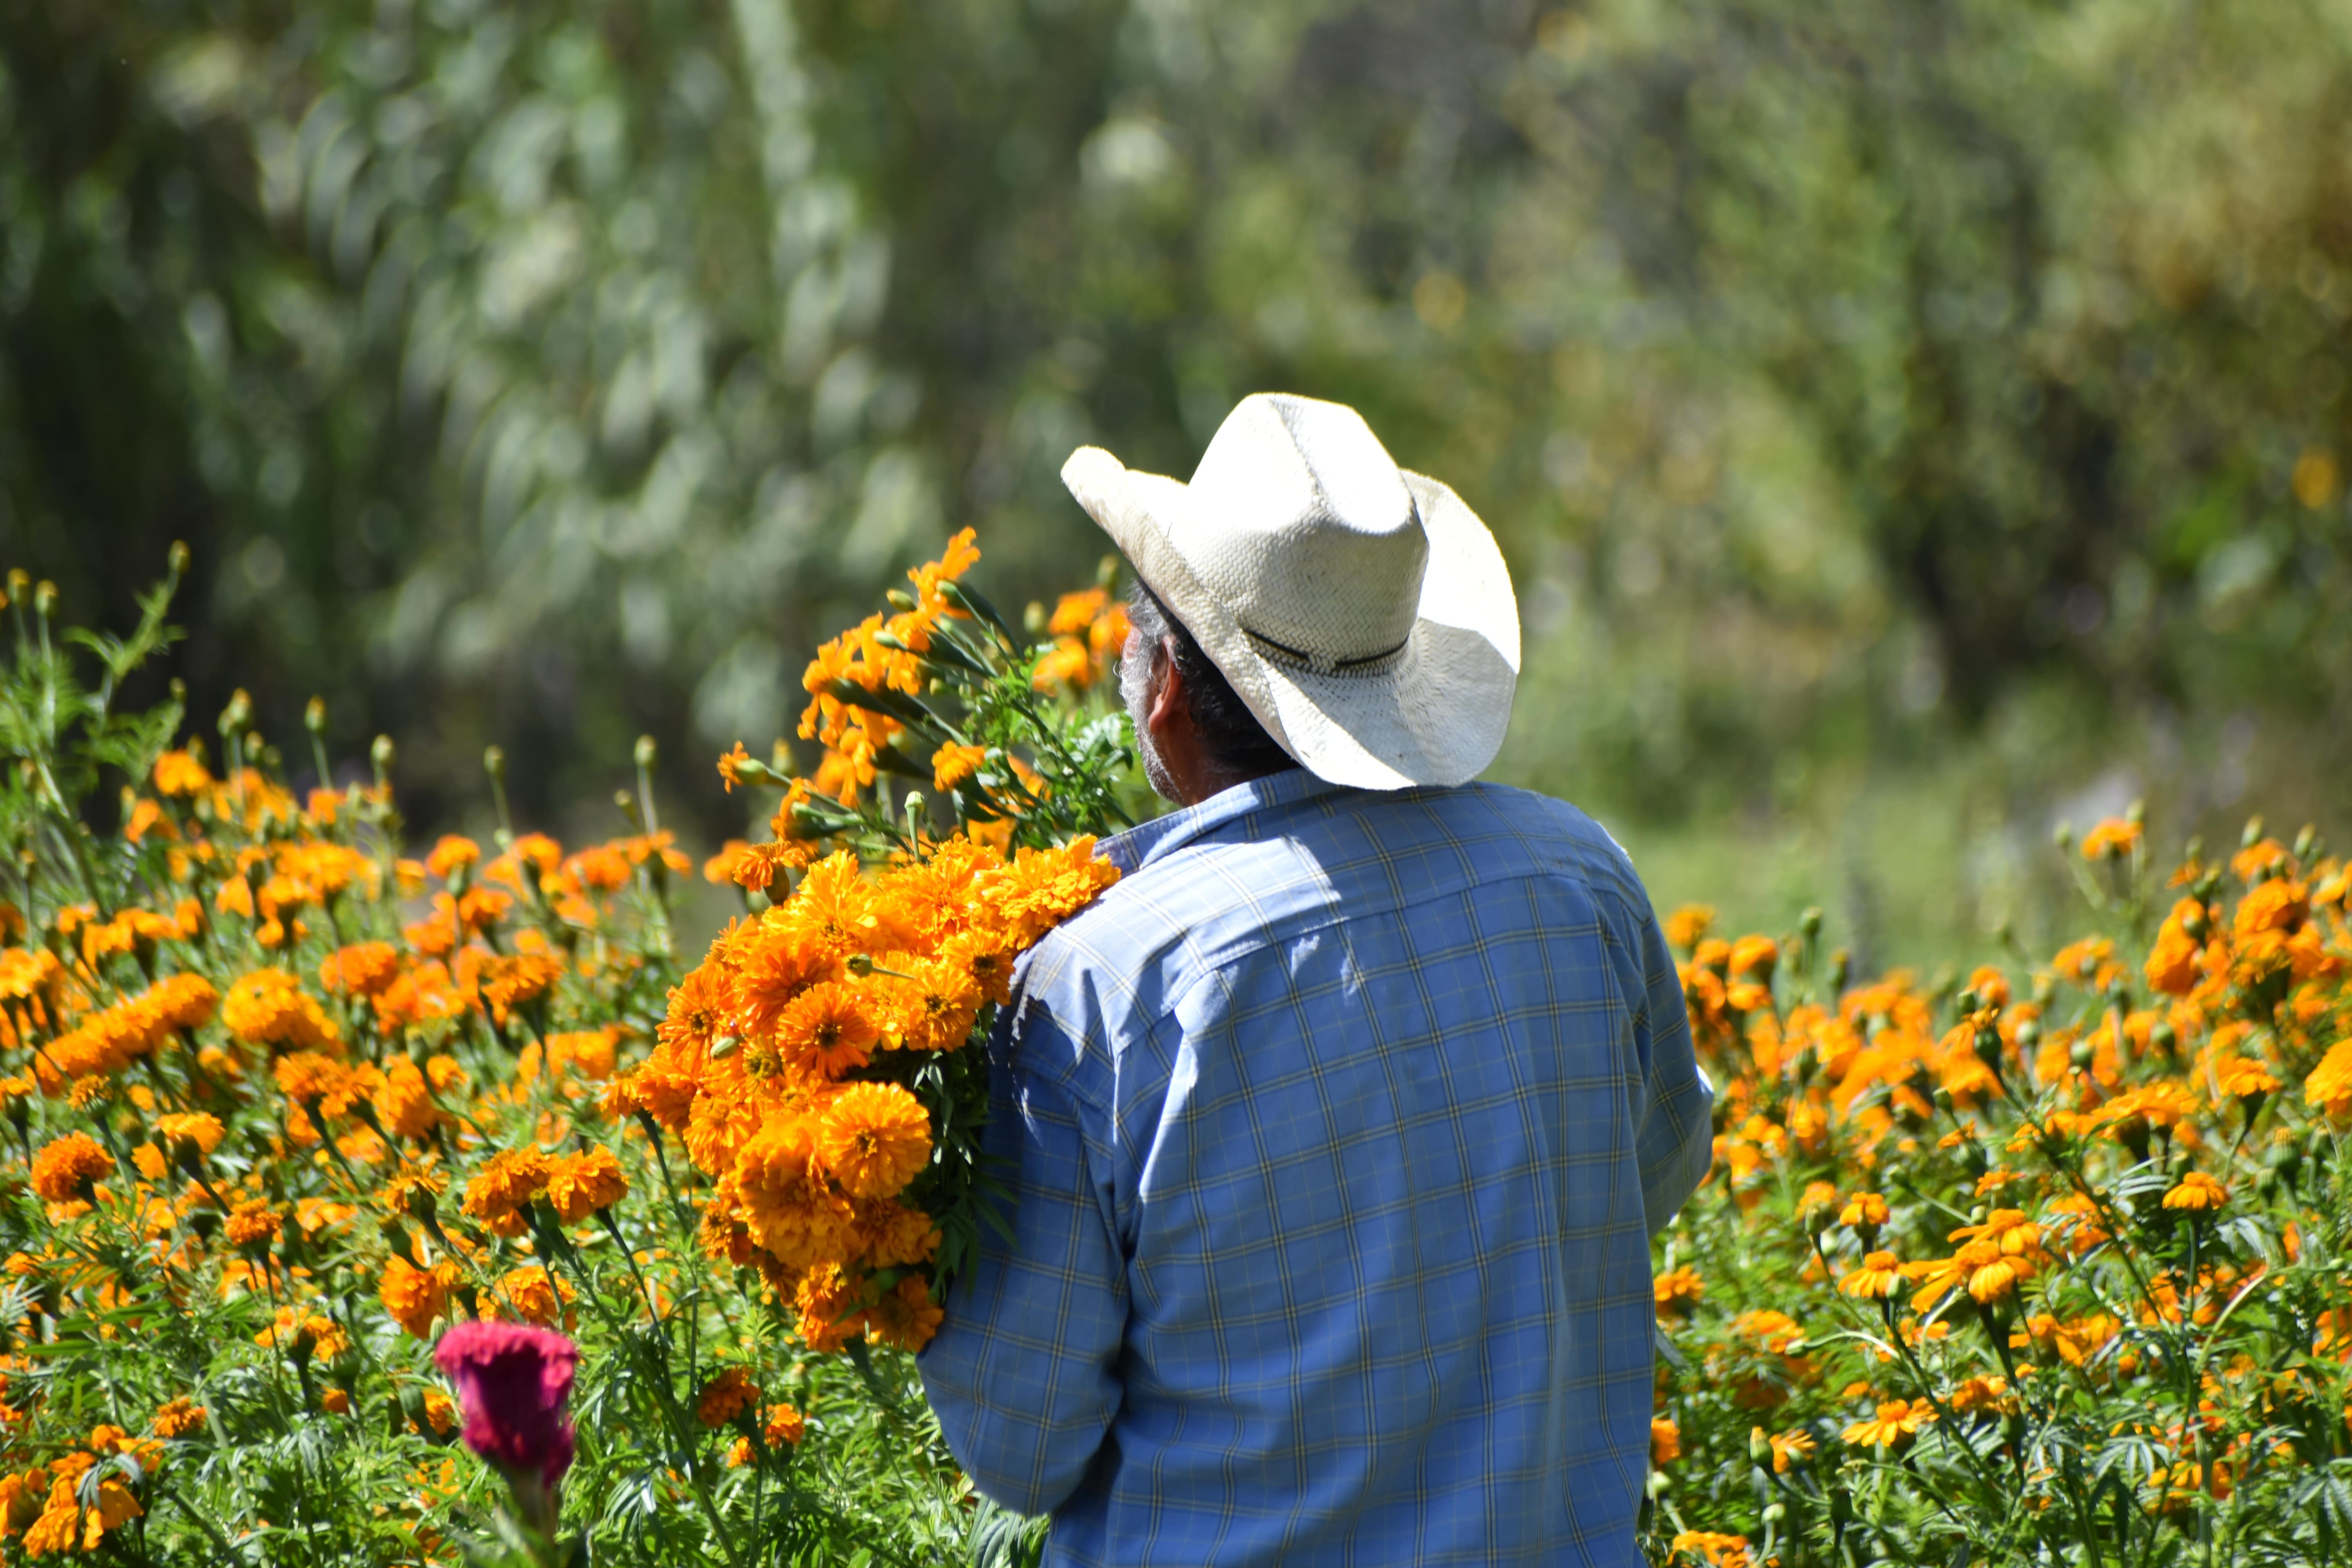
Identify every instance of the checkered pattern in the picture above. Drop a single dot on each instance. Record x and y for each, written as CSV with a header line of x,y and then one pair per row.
x,y
1335,1135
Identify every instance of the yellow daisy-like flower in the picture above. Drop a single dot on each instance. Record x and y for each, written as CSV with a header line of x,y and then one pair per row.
x,y
1879,1277
1893,1425
2196,1192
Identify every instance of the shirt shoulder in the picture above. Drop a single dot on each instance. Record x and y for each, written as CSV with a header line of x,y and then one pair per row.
x,y
1266,878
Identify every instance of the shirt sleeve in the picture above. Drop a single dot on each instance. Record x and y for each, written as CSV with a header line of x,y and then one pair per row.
x,y
1024,1372
1675,1140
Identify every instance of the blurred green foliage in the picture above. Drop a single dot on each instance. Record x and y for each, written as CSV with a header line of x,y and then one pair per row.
x,y
1888,408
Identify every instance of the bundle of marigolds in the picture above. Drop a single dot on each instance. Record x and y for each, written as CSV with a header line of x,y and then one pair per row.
x,y
2046,1264
283,1104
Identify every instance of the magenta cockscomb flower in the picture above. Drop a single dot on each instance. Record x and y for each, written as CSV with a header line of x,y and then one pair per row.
x,y
512,1382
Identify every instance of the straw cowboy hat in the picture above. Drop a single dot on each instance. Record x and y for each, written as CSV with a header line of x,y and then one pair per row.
x,y
1363,612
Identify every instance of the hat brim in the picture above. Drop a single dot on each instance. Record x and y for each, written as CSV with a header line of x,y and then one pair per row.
x,y
1435,715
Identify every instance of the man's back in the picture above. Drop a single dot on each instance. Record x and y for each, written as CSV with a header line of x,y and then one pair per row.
x,y
1341,1125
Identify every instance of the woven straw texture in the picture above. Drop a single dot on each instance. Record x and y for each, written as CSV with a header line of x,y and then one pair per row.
x,y
1363,612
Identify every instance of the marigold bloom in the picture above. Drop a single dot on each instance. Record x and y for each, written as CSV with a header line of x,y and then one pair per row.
x,y
2115,837
2196,1192
828,1029
905,1318
66,1169
875,1138
452,854
726,1397
1712,1548
1790,1448
180,773
534,1295
1863,1211
1878,1277
952,764
1983,1394
2330,1083
1677,1291
1893,1425
269,1008
785,1426
727,763
508,1181
940,1003
362,969
177,1418
580,1185
415,1296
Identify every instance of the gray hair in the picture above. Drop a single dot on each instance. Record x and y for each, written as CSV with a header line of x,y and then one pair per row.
x,y
1234,743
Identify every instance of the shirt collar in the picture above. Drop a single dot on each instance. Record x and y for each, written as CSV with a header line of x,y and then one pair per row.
x,y
1139,847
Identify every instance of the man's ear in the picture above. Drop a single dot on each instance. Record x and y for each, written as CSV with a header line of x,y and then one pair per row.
x,y
1170,701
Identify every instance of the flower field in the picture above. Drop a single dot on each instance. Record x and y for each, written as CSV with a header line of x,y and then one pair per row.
x,y
2046,1263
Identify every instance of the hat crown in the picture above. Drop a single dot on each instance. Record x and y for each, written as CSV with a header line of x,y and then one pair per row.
x,y
1308,533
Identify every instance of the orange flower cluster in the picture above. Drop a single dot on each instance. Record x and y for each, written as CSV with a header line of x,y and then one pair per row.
x,y
784,1058
2018,1209
1089,631
879,655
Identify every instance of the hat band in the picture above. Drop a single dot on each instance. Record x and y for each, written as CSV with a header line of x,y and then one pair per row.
x,y
1298,658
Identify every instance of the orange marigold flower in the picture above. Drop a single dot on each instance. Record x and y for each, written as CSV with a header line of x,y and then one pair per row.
x,y
1677,1291
362,969
440,1412
2112,839
200,1131
2330,1083
252,1223
727,763
2196,1192
335,1401
697,1013
1666,1442
1689,926
179,772
65,1170
580,1185
452,854
1039,889
1878,1277
177,1418
415,1296
726,1397
827,1308
1983,1394
828,1029
1893,1425
1788,1448
940,1002
531,1295
1712,1548
905,1317
1756,955
952,764
503,1186
269,1008
875,1138
1863,1211
785,1425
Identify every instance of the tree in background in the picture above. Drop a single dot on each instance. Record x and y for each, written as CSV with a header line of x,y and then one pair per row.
x,y
1839,378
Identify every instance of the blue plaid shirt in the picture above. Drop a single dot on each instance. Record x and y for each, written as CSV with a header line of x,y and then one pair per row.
x,y
1336,1134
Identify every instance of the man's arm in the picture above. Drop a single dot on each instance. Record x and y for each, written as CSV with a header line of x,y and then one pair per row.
x,y
1024,1373
1675,1140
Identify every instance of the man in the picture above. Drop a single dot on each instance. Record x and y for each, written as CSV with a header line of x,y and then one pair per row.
x,y
1337,1130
